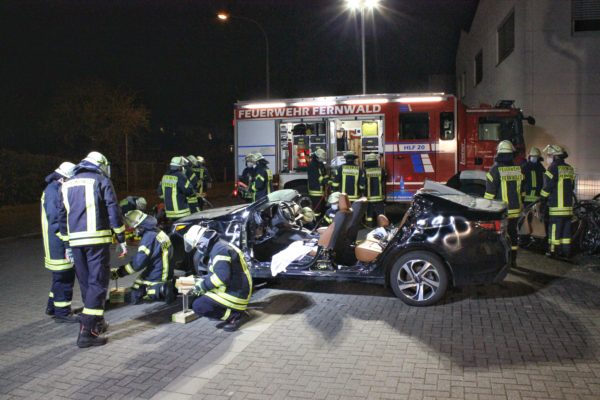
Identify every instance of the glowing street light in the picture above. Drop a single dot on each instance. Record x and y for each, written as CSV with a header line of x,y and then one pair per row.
x,y
223,16
362,6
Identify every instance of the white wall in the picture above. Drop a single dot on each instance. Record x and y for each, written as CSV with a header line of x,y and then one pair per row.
x,y
552,74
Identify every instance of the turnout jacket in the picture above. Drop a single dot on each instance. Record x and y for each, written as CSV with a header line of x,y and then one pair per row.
x,y
504,182
534,180
247,176
153,255
263,181
193,178
349,179
54,246
228,282
317,177
329,214
559,185
202,178
174,189
91,211
374,182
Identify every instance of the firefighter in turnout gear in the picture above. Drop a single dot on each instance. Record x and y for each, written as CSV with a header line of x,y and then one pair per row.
x,y
263,178
55,260
505,183
317,181
153,258
333,203
90,216
204,179
349,178
557,193
174,189
247,177
131,203
534,176
225,291
374,190
188,169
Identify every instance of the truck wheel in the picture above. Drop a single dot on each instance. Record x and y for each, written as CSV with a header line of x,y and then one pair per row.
x,y
419,278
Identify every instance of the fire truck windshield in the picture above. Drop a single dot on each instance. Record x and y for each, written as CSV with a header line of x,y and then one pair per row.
x,y
498,128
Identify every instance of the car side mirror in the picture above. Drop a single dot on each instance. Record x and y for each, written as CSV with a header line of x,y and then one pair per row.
x,y
530,120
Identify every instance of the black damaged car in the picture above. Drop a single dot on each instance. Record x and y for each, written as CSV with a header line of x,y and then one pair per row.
x,y
445,238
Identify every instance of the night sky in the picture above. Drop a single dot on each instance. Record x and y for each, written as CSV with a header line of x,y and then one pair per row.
x,y
188,68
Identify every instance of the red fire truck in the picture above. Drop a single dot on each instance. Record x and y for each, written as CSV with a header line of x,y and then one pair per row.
x,y
417,136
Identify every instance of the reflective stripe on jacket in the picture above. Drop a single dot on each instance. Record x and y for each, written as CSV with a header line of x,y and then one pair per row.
x,y
175,189
317,177
349,179
504,182
534,180
229,282
263,181
91,209
559,185
153,256
54,246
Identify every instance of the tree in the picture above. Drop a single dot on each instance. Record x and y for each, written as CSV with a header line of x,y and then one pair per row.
x,y
92,115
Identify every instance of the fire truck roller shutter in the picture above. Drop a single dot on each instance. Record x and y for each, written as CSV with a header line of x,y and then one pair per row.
x,y
256,137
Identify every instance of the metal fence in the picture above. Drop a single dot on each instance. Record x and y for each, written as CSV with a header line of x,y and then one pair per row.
x,y
587,186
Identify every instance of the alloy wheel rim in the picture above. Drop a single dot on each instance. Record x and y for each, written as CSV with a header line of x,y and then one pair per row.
x,y
418,280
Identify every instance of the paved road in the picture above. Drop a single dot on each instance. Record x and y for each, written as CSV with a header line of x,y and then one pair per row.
x,y
536,335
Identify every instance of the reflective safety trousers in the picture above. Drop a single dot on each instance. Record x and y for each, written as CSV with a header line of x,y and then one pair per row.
x,y
54,246
504,182
228,282
91,210
559,185
175,189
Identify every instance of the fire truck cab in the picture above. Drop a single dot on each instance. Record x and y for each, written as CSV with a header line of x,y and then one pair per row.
x,y
416,136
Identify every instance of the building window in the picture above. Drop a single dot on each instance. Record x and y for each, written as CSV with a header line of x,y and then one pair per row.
x,y
506,37
414,126
447,125
478,67
585,15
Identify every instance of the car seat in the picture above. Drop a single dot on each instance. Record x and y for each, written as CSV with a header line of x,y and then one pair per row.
x,y
329,237
371,248
343,247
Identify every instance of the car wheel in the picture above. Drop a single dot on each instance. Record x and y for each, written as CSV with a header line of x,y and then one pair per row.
x,y
419,278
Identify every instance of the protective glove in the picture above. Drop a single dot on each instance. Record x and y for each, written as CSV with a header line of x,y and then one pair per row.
x,y
69,254
122,249
198,289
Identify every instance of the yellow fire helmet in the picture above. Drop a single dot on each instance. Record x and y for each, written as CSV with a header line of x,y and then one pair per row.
x,y
505,146
535,152
371,157
554,150
334,197
134,218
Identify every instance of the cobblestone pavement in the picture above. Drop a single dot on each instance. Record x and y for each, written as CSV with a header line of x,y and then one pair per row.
x,y
536,335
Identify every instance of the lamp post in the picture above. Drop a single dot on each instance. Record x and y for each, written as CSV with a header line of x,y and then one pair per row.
x,y
362,6
223,16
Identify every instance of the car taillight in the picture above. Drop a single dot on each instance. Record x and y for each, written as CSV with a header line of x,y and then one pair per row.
x,y
496,226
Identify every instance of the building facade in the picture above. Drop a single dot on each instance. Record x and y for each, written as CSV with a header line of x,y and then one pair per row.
x,y
545,55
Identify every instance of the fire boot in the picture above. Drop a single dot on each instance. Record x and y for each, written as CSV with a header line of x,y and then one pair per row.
x,y
102,326
237,319
89,338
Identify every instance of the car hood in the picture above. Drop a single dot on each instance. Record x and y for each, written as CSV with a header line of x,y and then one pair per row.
x,y
214,213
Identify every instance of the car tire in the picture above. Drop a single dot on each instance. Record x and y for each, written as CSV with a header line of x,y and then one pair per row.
x,y
414,277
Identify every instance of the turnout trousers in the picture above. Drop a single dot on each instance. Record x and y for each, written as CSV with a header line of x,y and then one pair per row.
x,y
204,306
92,267
61,292
559,235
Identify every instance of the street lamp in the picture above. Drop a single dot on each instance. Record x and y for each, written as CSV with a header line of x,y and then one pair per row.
x,y
223,16
361,6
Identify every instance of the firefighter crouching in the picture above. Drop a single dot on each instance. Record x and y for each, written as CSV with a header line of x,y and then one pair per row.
x,y
263,178
504,182
317,181
349,178
374,188
174,188
225,291
557,194
333,203
153,258
88,219
63,274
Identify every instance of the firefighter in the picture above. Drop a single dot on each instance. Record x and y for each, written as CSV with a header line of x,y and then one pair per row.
x,y
557,194
375,184
225,291
188,169
247,176
152,258
534,174
63,274
349,178
333,203
263,178
204,179
504,182
174,188
317,180
131,203
89,218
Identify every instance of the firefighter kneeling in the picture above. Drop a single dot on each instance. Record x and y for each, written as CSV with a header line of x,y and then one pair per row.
x,y
153,256
225,291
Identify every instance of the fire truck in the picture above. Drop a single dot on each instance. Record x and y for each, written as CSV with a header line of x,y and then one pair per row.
x,y
416,136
